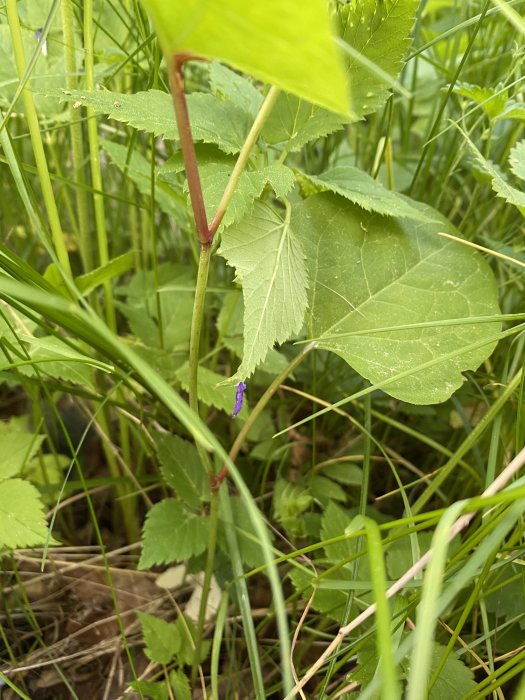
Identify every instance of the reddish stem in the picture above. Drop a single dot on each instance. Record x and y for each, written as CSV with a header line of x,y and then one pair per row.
x,y
188,148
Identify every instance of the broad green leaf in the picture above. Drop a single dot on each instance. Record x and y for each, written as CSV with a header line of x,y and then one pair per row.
x,y
17,450
162,638
491,100
349,474
138,169
369,272
325,490
513,110
517,160
182,470
499,184
358,187
153,690
285,44
211,390
378,31
266,251
22,521
294,122
215,177
115,267
172,533
455,679
290,500
212,120
234,87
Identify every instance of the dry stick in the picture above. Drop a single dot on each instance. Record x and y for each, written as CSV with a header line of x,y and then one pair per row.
x,y
460,524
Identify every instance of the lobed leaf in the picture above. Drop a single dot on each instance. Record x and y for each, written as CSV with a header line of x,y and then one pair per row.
x,y
182,470
369,272
17,450
162,638
22,521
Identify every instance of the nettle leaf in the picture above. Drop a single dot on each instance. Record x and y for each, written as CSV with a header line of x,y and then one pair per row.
x,y
284,44
138,169
369,272
215,177
358,187
234,87
455,680
182,469
211,390
162,638
517,160
269,261
212,120
172,533
17,450
379,32
22,521
294,122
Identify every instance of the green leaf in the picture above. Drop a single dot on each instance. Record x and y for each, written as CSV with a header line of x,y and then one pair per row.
x,y
289,503
325,490
358,187
455,679
149,689
234,87
379,32
269,261
491,100
180,685
22,522
172,533
138,169
499,184
517,160
349,474
513,110
17,450
284,44
294,122
212,119
335,522
162,638
182,470
211,390
215,177
115,267
370,272
249,544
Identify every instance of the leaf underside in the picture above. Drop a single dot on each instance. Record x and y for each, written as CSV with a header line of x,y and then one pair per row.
x,y
368,272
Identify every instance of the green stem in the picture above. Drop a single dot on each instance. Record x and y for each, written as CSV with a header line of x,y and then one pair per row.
x,y
57,234
94,160
77,146
244,155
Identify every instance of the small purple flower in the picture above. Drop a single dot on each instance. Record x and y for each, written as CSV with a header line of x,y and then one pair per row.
x,y
239,398
38,33
38,36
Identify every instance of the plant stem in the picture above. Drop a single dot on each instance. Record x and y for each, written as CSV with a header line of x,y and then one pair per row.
x,y
244,155
188,148
96,174
36,141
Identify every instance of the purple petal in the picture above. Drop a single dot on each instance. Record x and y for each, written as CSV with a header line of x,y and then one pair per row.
x,y
239,398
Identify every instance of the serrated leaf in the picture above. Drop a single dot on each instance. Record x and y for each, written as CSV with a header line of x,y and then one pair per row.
x,y
234,87
358,187
455,680
162,638
182,470
325,490
349,474
284,44
138,169
180,685
22,522
379,32
212,119
269,262
294,122
517,160
211,390
172,533
513,110
370,272
17,449
334,523
492,100
149,689
500,186
279,176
